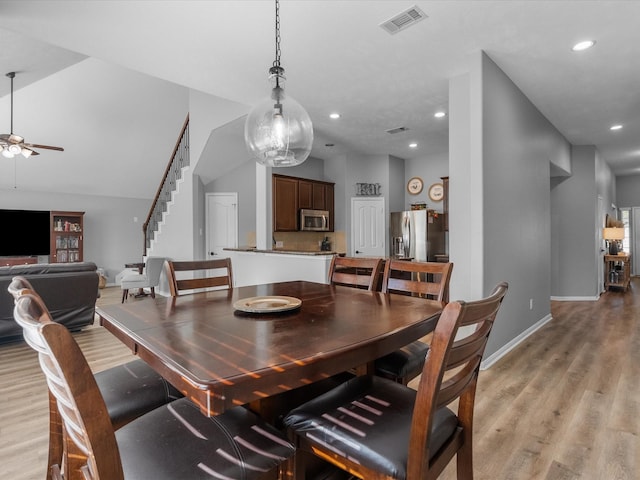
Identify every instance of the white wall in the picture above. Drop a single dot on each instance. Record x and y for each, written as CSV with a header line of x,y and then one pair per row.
x,y
183,233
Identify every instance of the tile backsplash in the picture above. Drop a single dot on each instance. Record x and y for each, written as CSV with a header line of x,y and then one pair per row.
x,y
305,241
310,241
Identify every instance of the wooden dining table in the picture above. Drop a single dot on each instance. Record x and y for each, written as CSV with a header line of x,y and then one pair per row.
x,y
221,357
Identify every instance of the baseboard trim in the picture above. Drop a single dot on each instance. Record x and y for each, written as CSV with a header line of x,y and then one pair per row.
x,y
490,360
575,299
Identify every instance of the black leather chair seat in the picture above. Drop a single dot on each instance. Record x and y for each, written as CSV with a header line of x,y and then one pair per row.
x,y
176,441
132,389
406,362
368,419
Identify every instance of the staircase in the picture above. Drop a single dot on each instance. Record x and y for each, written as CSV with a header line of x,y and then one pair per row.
x,y
178,162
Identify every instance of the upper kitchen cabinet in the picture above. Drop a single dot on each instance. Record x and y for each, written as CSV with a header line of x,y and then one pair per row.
x,y
290,194
314,194
285,204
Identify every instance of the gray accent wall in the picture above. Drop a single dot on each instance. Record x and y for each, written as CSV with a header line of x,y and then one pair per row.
x,y
501,148
430,169
112,236
242,180
628,191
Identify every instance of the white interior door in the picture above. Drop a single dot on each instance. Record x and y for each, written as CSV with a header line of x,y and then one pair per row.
x,y
222,223
367,227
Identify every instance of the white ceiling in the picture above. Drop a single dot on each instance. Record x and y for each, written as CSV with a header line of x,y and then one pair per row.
x,y
336,57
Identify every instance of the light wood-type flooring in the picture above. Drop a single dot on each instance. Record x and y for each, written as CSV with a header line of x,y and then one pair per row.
x,y
564,405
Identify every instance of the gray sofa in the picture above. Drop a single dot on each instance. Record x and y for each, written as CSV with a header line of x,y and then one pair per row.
x,y
69,290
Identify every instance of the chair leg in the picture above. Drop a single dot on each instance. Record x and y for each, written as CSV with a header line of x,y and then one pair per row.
x,y
153,292
125,294
56,440
464,460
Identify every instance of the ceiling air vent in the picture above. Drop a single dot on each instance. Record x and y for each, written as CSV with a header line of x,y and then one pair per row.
x,y
403,20
393,131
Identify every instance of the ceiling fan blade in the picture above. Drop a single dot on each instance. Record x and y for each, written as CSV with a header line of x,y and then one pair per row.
x,y
46,147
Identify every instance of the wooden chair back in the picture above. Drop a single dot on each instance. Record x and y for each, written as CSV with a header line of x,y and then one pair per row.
x,y
450,373
201,275
92,452
356,272
428,279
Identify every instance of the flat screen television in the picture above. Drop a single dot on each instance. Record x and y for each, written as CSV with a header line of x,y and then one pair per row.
x,y
24,233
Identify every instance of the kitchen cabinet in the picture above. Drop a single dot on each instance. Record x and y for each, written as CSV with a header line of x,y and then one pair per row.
x,y
285,204
290,194
314,194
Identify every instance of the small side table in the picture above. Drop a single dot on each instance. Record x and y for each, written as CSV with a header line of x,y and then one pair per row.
x,y
620,265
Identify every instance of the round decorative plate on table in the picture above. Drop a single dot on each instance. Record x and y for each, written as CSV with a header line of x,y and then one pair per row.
x,y
268,304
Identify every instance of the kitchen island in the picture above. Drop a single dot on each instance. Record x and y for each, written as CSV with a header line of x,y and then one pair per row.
x,y
252,266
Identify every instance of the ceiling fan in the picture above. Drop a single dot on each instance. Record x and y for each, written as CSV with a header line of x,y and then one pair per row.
x,y
13,144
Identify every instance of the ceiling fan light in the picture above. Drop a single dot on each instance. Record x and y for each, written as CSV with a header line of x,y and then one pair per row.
x,y
26,153
6,153
15,149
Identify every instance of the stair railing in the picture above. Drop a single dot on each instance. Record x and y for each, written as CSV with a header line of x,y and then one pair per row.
x,y
173,172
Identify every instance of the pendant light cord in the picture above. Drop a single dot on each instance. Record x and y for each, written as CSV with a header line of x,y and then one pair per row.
x,y
276,62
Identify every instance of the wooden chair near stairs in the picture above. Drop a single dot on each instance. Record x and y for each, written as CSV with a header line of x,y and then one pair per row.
x,y
200,274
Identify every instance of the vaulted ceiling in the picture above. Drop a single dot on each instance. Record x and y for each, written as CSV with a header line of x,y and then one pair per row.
x,y
109,80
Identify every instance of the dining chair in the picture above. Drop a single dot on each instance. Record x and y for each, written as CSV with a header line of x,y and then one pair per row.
x,y
375,428
173,441
149,278
129,390
201,274
356,272
425,279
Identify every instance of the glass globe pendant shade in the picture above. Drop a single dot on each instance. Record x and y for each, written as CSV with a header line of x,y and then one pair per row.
x,y
278,131
6,153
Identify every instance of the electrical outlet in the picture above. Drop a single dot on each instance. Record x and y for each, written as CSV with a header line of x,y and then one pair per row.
x,y
279,244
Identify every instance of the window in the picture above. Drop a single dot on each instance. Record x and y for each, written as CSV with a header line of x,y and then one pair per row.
x,y
624,216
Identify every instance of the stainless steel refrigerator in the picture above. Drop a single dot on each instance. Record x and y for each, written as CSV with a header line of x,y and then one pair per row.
x,y
416,235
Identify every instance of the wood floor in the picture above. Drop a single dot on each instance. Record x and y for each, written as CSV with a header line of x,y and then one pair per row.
x,y
564,405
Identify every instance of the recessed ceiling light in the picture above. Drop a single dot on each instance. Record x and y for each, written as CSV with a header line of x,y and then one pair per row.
x,y
334,115
413,145
616,127
439,114
578,47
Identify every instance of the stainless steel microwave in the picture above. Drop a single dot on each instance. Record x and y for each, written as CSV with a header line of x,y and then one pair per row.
x,y
314,220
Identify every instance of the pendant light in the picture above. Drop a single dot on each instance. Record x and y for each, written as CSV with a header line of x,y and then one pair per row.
x,y
278,131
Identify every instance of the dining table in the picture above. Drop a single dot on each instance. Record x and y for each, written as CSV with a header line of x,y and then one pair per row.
x,y
238,346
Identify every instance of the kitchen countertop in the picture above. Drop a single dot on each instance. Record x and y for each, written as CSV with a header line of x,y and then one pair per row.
x,y
282,251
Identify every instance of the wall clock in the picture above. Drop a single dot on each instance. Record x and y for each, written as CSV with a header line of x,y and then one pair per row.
x,y
414,185
436,192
